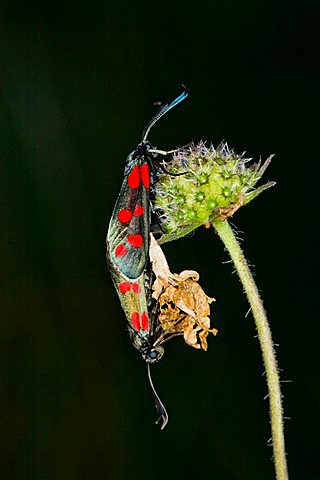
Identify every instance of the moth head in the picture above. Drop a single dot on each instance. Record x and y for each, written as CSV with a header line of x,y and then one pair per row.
x,y
153,354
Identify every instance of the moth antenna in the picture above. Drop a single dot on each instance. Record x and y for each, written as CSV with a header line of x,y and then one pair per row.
x,y
162,412
163,110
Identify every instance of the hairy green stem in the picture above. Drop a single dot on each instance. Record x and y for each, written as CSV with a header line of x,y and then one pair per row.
x,y
264,334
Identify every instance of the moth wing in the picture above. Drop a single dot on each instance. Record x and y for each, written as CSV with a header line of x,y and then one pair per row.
x,y
128,241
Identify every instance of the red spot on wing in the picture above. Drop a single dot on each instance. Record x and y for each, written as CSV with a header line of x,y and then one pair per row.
x,y
124,215
121,250
124,287
138,211
144,321
135,320
134,177
135,287
136,240
145,176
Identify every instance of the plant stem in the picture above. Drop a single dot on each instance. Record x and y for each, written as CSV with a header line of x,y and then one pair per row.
x,y
264,334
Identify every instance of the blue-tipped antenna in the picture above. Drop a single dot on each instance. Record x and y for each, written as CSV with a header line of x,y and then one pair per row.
x,y
163,110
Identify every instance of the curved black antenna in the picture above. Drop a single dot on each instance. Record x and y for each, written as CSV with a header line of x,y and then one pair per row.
x,y
162,412
164,109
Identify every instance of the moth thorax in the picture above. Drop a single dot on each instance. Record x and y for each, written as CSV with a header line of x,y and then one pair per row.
x,y
141,149
153,355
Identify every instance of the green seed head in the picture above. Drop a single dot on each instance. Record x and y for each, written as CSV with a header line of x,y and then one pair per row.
x,y
226,192
180,199
203,178
212,181
200,196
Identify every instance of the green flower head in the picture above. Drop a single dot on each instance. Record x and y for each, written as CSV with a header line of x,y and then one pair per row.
x,y
207,184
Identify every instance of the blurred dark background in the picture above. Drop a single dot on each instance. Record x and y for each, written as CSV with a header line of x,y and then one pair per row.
x,y
78,82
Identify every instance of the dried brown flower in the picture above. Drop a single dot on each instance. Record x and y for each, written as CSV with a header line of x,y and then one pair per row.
x,y
184,307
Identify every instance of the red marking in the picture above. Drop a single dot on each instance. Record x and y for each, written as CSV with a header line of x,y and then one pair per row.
x,y
138,211
135,287
135,240
121,250
134,177
144,321
135,320
124,215
145,176
124,287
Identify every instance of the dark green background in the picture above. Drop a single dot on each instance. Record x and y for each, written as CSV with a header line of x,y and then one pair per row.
x,y
78,82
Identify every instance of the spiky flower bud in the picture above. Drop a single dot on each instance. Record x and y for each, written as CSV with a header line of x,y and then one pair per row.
x,y
212,183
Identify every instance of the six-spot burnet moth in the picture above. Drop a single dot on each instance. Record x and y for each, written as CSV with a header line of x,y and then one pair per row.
x,y
128,241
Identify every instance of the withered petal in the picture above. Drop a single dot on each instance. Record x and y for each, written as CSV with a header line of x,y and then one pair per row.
x,y
184,307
